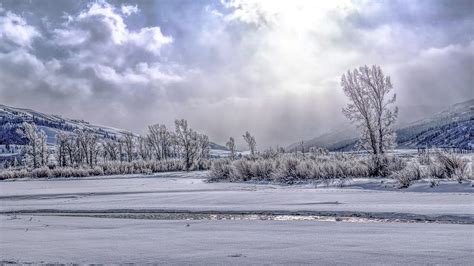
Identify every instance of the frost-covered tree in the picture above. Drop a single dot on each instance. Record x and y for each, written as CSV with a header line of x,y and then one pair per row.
x,y
359,109
43,148
88,146
370,106
36,152
250,142
62,139
191,145
231,146
160,140
188,142
143,148
128,141
203,142
379,88
111,150
71,148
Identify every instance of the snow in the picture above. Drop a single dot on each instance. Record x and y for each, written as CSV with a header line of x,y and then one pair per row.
x,y
189,191
47,237
33,239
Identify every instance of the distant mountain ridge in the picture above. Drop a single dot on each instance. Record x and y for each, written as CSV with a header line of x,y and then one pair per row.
x,y
11,119
453,127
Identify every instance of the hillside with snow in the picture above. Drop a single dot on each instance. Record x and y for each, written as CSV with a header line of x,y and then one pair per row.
x,y
453,127
11,119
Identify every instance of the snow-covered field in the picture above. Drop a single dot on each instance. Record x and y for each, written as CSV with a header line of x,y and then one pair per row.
x,y
94,240
40,234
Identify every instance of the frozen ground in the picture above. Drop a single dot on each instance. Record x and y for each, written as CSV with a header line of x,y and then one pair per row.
x,y
181,191
41,234
31,239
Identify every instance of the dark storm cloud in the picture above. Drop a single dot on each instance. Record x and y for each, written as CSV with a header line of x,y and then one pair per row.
x,y
271,67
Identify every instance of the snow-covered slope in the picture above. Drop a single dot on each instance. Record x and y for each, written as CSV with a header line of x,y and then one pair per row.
x,y
11,119
453,127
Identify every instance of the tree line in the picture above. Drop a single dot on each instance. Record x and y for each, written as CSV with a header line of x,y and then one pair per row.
x,y
83,147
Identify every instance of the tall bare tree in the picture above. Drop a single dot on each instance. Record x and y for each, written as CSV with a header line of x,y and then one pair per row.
x,y
62,139
188,142
128,142
203,142
144,149
88,146
370,106
36,151
250,142
231,146
160,140
379,88
111,149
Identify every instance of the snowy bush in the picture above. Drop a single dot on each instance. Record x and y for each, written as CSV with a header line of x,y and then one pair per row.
x,y
384,165
424,158
450,166
105,168
12,173
408,175
41,172
221,169
242,170
262,169
289,168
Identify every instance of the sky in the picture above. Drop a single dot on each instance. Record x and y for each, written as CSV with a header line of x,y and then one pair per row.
x,y
227,66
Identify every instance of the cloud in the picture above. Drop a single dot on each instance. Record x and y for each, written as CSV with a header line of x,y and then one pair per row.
x,y
102,24
271,67
128,10
451,68
151,39
15,32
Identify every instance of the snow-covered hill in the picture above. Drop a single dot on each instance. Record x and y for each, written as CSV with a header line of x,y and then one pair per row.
x,y
453,127
11,119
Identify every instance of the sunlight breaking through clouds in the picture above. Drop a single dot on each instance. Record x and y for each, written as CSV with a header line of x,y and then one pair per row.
x,y
229,66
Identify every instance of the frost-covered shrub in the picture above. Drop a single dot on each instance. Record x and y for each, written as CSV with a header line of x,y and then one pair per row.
x,y
262,169
290,168
242,170
96,171
384,165
221,170
286,171
81,172
436,171
270,154
202,164
424,158
305,170
408,175
107,168
62,172
390,164
451,166
41,172
13,173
